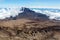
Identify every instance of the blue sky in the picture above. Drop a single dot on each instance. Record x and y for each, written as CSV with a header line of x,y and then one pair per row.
x,y
31,3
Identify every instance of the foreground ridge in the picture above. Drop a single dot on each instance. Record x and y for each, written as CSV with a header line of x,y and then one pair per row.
x,y
29,30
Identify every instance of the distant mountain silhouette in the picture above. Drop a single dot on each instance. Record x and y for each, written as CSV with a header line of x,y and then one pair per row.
x,y
29,14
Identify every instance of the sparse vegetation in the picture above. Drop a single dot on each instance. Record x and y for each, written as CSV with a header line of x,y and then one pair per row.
x,y
29,30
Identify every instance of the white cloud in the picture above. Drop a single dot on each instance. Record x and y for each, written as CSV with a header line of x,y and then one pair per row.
x,y
55,7
52,15
9,12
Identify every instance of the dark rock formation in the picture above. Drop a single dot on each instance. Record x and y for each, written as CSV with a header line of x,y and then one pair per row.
x,y
29,14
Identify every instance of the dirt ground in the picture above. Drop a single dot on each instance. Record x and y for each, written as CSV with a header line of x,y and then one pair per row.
x,y
23,29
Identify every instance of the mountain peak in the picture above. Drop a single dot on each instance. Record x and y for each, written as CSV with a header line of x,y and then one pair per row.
x,y
28,14
24,9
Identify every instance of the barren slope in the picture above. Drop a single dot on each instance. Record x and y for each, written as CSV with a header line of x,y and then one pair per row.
x,y
24,29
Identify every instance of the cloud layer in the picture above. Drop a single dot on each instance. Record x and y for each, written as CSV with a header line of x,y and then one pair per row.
x,y
54,14
7,12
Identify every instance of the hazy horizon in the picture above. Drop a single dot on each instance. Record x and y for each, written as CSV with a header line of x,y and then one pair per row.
x,y
30,3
